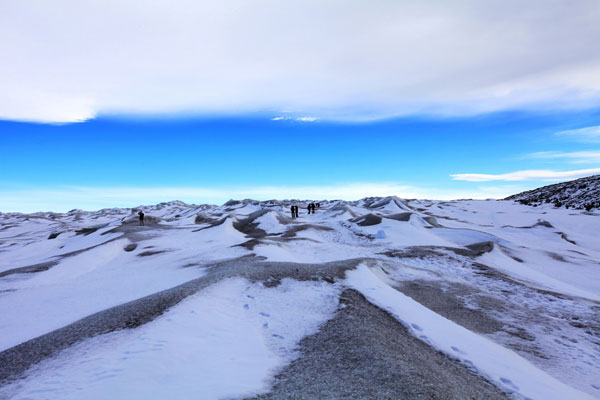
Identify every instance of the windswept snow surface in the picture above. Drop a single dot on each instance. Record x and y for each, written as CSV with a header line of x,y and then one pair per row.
x,y
500,365
222,342
509,290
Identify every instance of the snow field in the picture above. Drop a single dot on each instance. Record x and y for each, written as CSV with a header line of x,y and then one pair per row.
x,y
503,367
226,341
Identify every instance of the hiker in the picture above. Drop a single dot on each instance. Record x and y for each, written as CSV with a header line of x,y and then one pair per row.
x,y
308,208
293,210
141,214
296,211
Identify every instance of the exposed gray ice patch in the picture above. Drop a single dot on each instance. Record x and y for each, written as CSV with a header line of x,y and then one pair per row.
x,y
364,353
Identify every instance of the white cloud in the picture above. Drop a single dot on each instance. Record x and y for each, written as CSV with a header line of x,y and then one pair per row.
x,y
575,157
69,60
528,175
92,198
302,119
591,133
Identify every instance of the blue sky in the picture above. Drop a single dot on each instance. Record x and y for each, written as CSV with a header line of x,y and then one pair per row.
x,y
127,161
110,103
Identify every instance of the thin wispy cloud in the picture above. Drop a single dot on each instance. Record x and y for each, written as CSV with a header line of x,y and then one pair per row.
x,y
589,134
574,157
302,119
69,60
527,175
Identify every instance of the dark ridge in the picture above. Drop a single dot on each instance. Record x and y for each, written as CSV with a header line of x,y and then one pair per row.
x,y
232,203
433,222
130,247
544,223
150,253
7,226
556,256
44,266
473,250
249,244
213,224
403,217
87,231
367,220
509,252
343,208
284,219
381,203
291,231
203,219
369,201
478,249
563,236
402,204
250,228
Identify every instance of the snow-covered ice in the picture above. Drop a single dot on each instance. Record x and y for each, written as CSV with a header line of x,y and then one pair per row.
x,y
523,284
223,342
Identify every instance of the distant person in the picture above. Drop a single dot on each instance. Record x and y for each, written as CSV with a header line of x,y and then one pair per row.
x,y
309,208
141,214
296,211
293,211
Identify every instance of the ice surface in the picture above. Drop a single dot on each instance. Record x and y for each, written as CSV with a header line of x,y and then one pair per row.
x,y
225,341
533,271
502,366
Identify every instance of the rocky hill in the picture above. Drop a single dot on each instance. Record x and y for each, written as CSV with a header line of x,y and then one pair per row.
x,y
580,194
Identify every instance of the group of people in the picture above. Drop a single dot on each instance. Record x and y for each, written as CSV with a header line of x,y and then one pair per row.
x,y
311,209
294,210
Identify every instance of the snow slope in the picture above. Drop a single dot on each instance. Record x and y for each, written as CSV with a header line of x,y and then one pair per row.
x,y
215,301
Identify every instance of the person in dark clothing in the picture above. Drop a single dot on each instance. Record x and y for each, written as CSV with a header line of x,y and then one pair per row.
x,y
296,211
309,208
141,214
293,211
